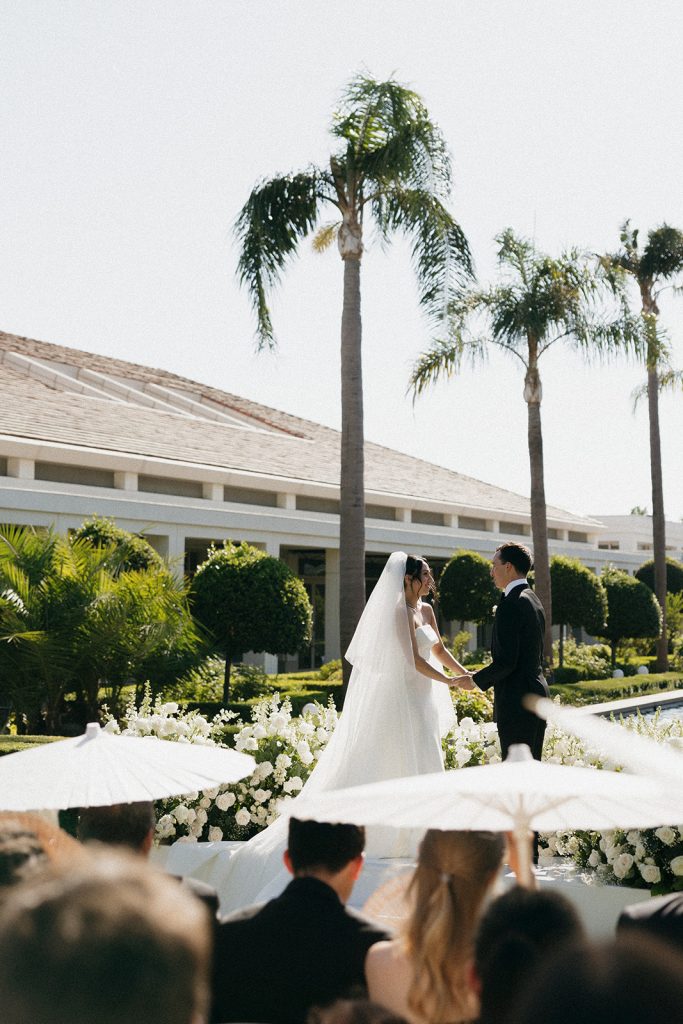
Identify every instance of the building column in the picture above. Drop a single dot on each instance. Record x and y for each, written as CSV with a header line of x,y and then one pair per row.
x,y
125,481
403,515
212,491
332,604
22,469
270,660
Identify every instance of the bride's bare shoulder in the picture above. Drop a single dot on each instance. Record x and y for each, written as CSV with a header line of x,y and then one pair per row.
x,y
383,955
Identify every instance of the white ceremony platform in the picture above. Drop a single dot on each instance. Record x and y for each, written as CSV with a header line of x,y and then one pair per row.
x,y
599,905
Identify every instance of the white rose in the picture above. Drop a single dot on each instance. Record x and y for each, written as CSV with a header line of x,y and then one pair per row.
x,y
666,835
205,802
261,795
112,726
224,801
258,732
594,859
171,708
322,734
265,769
677,867
215,834
212,793
181,813
242,817
304,752
650,873
165,826
623,864
278,723
306,728
202,817
462,756
633,837
293,785
283,761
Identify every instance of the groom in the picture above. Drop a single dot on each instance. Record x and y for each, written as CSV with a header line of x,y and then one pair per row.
x,y
517,651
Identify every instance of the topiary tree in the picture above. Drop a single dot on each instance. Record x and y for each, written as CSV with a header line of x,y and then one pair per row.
x,y
133,550
466,590
674,575
249,601
632,609
579,598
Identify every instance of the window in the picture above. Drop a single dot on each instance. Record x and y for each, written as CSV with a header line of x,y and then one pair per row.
x,y
554,533
578,538
470,523
167,485
644,547
311,504
379,512
517,529
249,496
84,475
426,518
608,545
3,467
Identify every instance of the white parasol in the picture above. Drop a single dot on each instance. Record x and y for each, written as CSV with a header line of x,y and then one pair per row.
x,y
621,745
100,769
519,795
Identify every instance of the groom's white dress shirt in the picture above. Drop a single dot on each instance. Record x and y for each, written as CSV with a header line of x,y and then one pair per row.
x,y
514,583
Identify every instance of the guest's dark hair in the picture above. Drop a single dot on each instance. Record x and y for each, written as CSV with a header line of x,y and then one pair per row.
x,y
19,850
119,824
316,844
517,555
630,981
110,940
353,1011
514,935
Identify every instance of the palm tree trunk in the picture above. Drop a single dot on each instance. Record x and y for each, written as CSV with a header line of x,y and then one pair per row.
x,y
658,520
539,523
351,488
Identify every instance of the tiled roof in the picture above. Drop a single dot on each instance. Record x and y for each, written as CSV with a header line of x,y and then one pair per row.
x,y
74,398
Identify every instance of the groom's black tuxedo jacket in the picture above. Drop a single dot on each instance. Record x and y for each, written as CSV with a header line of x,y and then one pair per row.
x,y
274,961
517,668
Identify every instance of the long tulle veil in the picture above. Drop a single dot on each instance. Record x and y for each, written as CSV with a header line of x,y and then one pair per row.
x,y
374,739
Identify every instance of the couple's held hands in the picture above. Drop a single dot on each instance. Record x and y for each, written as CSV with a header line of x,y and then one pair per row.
x,y
463,682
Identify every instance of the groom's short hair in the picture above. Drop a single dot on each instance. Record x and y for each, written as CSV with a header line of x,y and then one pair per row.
x,y
517,555
317,844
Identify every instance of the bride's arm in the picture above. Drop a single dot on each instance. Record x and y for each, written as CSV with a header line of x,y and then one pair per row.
x,y
438,650
421,664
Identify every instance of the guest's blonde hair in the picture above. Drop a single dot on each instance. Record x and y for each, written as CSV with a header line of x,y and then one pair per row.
x,y
453,874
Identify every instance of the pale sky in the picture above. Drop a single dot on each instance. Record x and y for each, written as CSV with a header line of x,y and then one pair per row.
x,y
133,131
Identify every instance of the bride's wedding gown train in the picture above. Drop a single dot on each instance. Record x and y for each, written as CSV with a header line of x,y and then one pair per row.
x,y
391,726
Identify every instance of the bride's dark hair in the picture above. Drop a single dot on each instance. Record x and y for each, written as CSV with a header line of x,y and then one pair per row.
x,y
414,566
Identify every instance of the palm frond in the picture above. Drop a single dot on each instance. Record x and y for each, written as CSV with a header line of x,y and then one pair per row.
x,y
325,236
443,360
391,137
440,252
277,215
663,254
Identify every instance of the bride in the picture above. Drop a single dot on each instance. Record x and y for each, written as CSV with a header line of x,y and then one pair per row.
x,y
397,708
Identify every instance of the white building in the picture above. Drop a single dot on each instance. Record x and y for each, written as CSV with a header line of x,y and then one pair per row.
x,y
188,464
625,536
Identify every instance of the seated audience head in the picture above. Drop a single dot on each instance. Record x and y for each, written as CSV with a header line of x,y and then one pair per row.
x,y
513,937
332,853
661,918
353,1011
630,981
27,841
453,875
130,825
110,940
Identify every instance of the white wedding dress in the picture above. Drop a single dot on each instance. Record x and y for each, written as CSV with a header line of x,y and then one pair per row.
x,y
391,726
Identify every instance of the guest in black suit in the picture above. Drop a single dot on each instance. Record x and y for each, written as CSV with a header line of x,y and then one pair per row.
x,y
661,917
305,948
517,650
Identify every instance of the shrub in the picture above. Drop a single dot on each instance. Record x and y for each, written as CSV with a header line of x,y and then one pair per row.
x,y
204,683
249,601
474,704
578,598
582,661
331,670
133,550
632,609
466,590
674,575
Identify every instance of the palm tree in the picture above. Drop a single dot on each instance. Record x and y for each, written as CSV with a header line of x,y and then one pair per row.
x,y
391,163
538,302
660,260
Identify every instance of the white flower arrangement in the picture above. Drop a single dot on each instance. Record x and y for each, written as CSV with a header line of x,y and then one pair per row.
x,y
286,750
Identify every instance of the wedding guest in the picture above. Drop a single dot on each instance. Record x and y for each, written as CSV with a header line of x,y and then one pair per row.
x,y
109,940
310,944
353,1011
514,936
27,841
132,825
630,981
660,917
422,974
